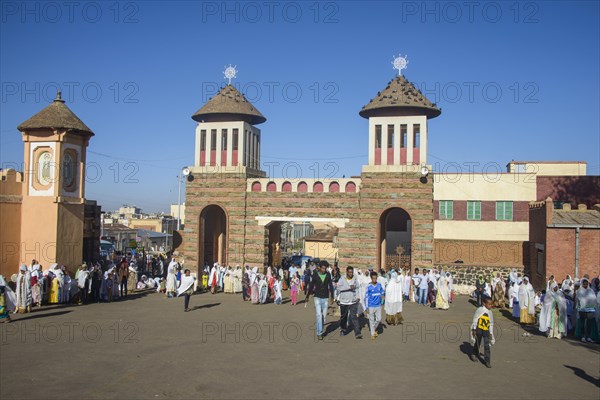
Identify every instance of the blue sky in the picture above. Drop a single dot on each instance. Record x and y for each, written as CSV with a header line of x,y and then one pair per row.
x,y
515,80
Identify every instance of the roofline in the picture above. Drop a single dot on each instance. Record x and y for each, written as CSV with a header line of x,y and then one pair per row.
x,y
546,162
573,226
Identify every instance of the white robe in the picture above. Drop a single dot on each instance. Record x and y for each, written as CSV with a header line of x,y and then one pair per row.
x,y
527,298
186,283
24,289
393,296
171,279
214,274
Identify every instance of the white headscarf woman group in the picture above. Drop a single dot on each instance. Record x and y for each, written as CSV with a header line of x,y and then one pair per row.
x,y
553,315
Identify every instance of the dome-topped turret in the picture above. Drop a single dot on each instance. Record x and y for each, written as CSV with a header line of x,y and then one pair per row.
x,y
229,105
56,116
400,97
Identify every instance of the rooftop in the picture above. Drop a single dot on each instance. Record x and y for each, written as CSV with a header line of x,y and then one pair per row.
x,y
56,116
400,97
229,105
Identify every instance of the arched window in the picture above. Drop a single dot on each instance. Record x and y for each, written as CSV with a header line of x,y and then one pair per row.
x,y
302,187
350,187
318,187
271,187
256,187
334,187
286,187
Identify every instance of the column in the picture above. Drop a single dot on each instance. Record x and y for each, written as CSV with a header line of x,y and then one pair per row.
x,y
241,146
384,143
397,144
258,151
409,141
219,145
197,149
229,147
423,149
207,151
371,142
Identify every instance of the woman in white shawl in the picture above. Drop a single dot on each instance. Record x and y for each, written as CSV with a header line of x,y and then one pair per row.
x,y
567,284
171,280
7,300
557,318
186,288
513,277
23,290
442,300
363,281
213,278
83,282
405,285
237,279
526,303
263,290
36,285
393,299
228,281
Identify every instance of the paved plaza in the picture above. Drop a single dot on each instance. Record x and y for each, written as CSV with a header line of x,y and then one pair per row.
x,y
147,347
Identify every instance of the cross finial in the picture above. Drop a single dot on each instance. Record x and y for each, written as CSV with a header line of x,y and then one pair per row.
x,y
400,63
230,73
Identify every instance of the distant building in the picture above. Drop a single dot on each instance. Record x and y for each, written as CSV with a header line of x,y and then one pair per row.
x,y
563,240
175,211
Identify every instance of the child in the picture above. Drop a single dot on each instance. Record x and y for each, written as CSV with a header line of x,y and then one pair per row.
x,y
277,289
374,298
294,282
483,329
186,288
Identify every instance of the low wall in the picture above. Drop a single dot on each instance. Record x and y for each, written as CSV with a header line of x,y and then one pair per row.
x,y
464,276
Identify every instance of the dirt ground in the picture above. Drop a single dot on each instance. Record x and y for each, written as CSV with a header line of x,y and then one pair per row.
x,y
147,347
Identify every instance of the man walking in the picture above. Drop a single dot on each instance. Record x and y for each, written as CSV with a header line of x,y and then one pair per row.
x,y
348,299
322,287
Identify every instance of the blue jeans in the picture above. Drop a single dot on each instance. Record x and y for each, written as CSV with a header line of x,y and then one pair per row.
x,y
321,307
422,296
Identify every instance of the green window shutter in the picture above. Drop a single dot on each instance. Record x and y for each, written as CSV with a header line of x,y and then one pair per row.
x,y
478,210
450,210
498,211
508,210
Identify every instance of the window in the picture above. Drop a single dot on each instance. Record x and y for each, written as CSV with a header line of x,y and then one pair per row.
x,y
223,139
520,168
390,141
377,136
235,139
203,139
446,209
44,172
213,139
416,135
403,135
474,210
504,211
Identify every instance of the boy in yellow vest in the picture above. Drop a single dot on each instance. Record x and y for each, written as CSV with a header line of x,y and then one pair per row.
x,y
482,329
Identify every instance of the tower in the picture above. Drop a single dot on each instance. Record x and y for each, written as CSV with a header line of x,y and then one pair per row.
x,y
52,211
226,137
394,184
398,134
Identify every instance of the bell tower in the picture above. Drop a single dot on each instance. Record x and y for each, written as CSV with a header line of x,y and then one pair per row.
x,y
55,142
398,116
227,139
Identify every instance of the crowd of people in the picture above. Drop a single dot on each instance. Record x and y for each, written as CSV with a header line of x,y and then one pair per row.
x,y
569,307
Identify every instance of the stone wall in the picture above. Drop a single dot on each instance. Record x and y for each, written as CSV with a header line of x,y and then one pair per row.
x,y
464,276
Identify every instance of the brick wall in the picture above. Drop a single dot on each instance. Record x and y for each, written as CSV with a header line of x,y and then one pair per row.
x,y
560,252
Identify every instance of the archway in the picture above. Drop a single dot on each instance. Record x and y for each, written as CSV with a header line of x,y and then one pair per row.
x,y
213,236
395,239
